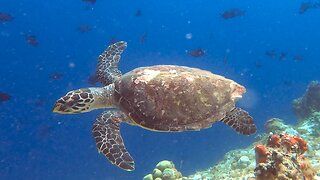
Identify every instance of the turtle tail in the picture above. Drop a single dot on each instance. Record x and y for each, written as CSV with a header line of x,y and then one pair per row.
x,y
107,67
240,120
106,132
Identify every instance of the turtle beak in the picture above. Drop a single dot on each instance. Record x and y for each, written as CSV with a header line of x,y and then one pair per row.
x,y
61,108
56,108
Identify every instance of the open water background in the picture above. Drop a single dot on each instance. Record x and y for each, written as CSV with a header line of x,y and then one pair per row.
x,y
37,144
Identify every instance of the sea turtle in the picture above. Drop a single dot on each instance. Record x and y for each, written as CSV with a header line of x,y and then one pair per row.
x,y
163,98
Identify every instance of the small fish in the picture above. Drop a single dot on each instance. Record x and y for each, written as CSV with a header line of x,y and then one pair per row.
x,y
4,17
32,40
225,58
197,52
93,80
89,1
282,56
143,38
271,54
44,132
258,64
4,97
298,57
232,13
305,6
138,13
39,102
56,76
84,28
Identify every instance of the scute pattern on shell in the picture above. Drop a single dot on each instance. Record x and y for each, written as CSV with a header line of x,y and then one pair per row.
x,y
174,98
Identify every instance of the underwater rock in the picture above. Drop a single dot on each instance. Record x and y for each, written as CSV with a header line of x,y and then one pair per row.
x,y
244,161
309,102
310,127
164,170
282,158
276,125
292,150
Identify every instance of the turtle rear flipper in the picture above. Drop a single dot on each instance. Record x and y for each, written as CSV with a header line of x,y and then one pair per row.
x,y
107,67
109,142
240,120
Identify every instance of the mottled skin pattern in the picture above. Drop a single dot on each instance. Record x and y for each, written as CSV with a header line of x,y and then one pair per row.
x,y
85,100
175,98
76,101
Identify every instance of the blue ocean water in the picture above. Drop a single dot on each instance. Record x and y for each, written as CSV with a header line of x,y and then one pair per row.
x,y
51,47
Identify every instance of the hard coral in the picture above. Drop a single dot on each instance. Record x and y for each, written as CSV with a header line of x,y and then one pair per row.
x,y
164,170
282,159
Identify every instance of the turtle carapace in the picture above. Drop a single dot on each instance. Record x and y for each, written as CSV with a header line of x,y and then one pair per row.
x,y
162,98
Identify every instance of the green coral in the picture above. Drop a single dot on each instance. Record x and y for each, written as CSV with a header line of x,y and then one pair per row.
x,y
148,177
164,164
164,170
157,173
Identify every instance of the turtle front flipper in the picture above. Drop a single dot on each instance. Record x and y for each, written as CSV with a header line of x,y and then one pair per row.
x,y
240,120
107,67
106,132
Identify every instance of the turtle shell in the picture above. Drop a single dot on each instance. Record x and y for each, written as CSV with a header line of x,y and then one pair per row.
x,y
175,98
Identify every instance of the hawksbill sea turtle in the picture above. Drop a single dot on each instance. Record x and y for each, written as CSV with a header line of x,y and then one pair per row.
x,y
163,98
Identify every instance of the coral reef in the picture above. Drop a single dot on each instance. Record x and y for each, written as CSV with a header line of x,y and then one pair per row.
x,y
282,159
309,102
164,170
290,152
231,167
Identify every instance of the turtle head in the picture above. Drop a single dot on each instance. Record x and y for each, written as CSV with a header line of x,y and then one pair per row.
x,y
84,100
